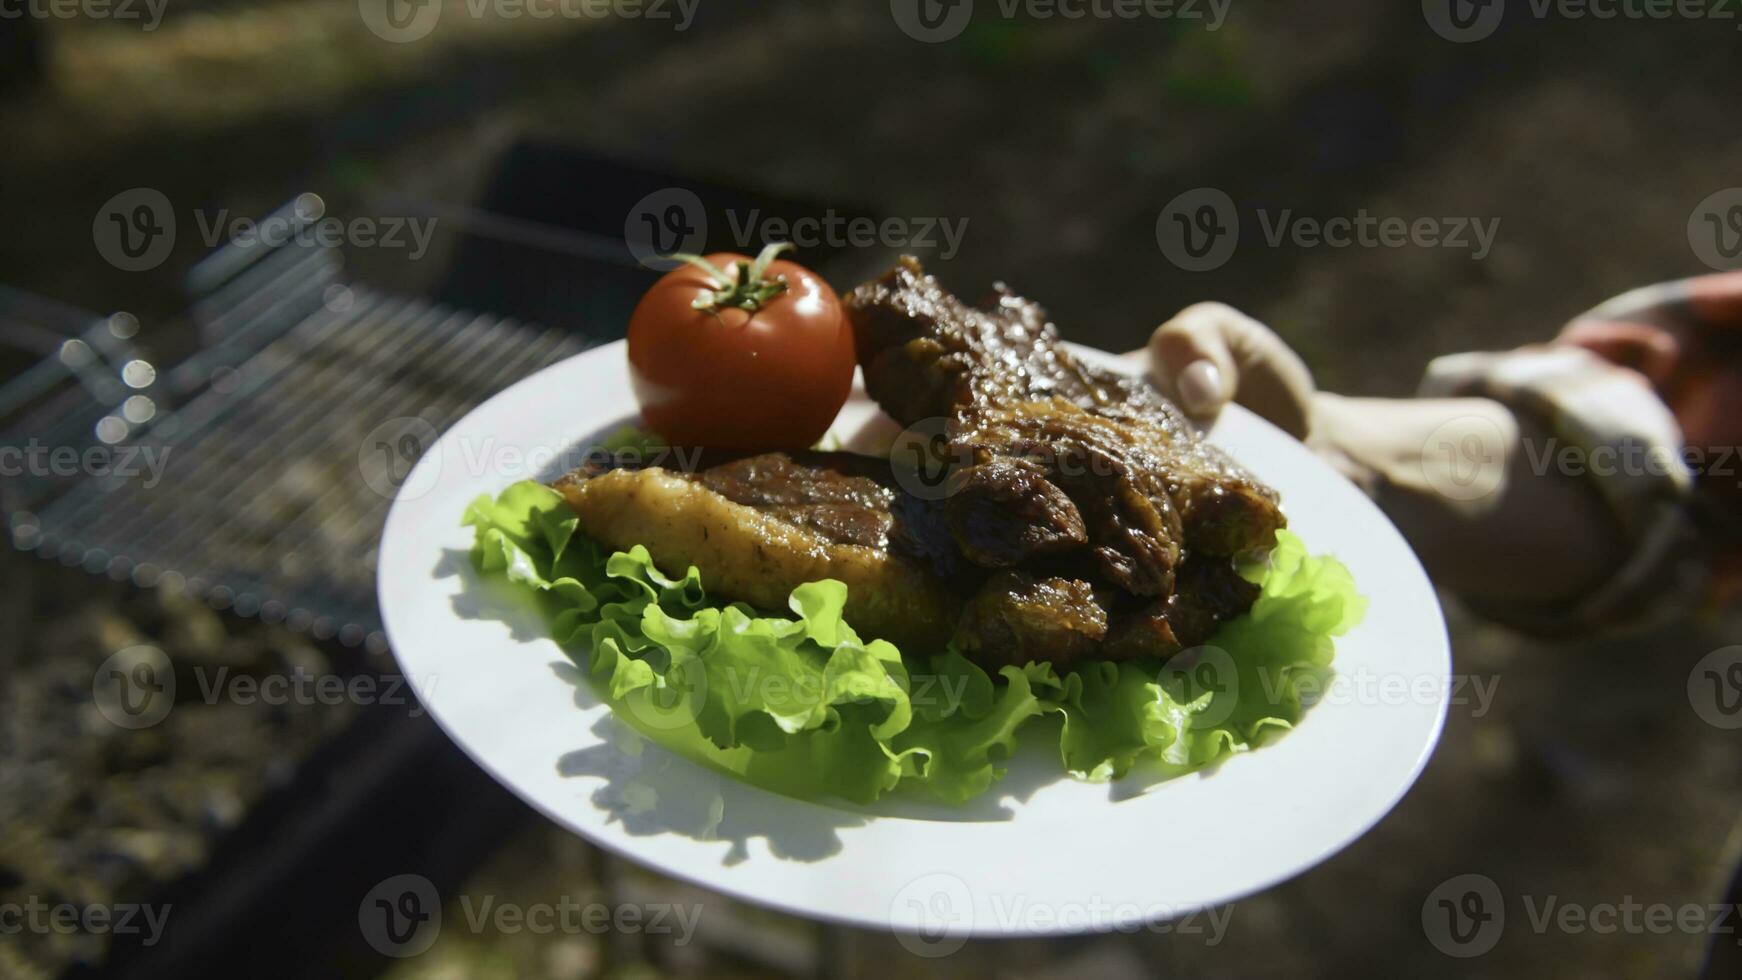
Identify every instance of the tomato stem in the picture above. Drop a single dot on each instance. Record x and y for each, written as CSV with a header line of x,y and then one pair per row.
x,y
750,290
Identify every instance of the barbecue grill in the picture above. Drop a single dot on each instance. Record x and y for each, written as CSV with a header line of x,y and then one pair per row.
x,y
280,443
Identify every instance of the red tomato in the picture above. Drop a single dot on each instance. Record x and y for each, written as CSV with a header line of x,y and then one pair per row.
x,y
755,356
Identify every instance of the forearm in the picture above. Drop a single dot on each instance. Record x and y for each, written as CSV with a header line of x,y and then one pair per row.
x,y
1455,476
1545,484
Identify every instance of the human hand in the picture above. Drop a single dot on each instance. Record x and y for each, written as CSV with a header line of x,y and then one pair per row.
x,y
1684,337
1210,354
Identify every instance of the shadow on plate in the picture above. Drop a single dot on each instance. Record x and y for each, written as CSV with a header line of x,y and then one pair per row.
x,y
652,791
649,790
479,598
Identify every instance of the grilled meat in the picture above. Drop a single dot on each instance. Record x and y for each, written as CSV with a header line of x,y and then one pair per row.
x,y
1006,510
1017,617
760,526
1064,466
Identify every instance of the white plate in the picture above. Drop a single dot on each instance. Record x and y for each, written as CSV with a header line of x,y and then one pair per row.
x,y
1041,853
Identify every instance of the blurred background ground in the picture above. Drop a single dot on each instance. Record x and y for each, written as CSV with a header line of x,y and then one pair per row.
x,y
1591,143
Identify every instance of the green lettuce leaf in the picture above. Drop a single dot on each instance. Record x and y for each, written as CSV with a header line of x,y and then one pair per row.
x,y
800,704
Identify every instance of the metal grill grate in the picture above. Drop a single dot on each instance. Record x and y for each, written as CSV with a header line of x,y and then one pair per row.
x,y
306,407
280,441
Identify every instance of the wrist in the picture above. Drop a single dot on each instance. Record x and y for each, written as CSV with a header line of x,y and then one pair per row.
x,y
1456,450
